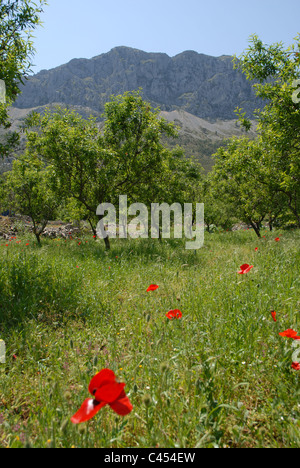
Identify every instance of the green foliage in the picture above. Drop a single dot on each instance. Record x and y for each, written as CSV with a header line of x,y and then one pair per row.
x,y
262,178
18,19
72,145
127,158
276,69
217,210
27,190
261,61
245,182
133,132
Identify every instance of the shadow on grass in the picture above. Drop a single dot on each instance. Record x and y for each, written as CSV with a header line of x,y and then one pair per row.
x,y
146,250
48,283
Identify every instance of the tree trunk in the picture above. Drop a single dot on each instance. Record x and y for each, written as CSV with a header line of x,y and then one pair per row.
x,y
107,243
93,228
159,234
256,227
38,237
104,234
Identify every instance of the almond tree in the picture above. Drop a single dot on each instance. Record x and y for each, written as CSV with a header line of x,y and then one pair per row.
x,y
18,19
27,190
94,167
277,71
242,182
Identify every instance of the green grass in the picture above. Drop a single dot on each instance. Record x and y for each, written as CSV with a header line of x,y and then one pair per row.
x,y
219,377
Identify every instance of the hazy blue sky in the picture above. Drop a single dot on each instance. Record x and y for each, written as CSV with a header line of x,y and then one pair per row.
x,y
86,28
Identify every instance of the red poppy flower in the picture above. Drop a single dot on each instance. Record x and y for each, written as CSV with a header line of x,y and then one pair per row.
x,y
273,313
245,269
290,334
106,390
256,249
296,366
174,314
277,239
152,287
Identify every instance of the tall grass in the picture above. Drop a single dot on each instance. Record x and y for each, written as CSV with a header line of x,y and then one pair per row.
x,y
219,377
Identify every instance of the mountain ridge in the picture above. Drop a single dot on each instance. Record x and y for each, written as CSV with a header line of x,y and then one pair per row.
x,y
205,86
197,92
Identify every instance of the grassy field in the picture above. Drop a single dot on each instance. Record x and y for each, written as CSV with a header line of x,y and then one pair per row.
x,y
219,377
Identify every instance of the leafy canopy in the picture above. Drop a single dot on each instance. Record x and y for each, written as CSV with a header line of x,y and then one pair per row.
x,y
18,20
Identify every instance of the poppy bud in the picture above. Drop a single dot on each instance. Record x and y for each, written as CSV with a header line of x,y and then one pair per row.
x,y
68,395
147,400
164,367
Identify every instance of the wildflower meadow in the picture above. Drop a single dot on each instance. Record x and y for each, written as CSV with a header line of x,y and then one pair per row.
x,y
149,344
149,228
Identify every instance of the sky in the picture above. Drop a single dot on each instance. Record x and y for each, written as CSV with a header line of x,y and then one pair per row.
x,y
87,28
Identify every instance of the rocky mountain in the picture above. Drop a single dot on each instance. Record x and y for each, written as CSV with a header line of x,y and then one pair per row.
x,y
207,87
201,138
197,92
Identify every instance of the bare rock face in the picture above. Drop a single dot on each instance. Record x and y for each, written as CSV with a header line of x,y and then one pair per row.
x,y
207,87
